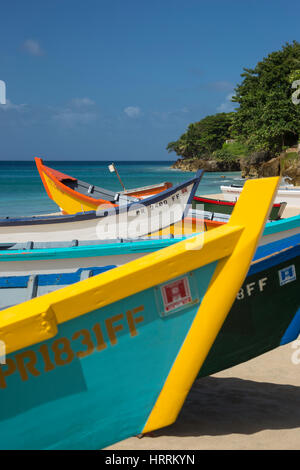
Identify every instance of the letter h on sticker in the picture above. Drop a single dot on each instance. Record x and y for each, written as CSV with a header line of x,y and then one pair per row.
x,y
287,275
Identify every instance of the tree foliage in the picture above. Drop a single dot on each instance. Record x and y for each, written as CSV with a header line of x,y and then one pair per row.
x,y
203,137
266,117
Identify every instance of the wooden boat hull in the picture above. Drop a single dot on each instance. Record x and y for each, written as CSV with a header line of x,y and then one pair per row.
x,y
92,385
115,355
226,207
127,221
289,195
264,316
266,312
73,196
43,257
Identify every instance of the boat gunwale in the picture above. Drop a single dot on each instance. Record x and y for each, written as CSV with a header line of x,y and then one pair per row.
x,y
226,203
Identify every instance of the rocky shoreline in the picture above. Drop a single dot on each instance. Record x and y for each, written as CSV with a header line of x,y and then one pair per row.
x,y
258,165
207,165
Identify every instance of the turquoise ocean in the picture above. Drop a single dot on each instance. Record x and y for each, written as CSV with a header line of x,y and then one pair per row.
x,y
22,192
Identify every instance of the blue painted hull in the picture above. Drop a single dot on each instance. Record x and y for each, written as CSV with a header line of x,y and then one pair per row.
x,y
97,381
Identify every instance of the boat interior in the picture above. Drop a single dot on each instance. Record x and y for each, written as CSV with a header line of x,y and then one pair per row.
x,y
93,191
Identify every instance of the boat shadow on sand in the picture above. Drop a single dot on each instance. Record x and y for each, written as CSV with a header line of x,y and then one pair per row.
x,y
219,406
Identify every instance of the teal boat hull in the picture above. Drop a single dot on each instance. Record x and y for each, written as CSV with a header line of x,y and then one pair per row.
x,y
43,384
97,381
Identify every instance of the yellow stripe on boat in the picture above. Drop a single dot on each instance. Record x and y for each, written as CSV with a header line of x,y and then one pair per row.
x,y
36,320
221,293
233,244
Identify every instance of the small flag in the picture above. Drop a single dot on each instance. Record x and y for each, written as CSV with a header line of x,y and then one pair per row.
x,y
111,168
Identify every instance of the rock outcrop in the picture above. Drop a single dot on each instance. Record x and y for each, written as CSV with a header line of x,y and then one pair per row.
x,y
276,166
207,165
258,165
292,171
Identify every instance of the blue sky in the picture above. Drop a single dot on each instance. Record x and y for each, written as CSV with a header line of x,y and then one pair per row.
x,y
119,79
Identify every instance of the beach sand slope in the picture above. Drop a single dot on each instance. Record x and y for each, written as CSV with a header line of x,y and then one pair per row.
x,y
255,405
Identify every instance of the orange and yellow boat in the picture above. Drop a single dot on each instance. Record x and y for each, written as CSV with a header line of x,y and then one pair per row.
x,y
73,195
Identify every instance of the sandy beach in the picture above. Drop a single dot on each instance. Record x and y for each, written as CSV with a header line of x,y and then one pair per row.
x,y
253,406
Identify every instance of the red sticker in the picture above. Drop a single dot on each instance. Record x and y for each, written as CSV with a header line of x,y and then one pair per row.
x,y
176,294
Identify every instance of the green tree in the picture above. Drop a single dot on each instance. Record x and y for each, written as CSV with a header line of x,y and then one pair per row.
x,y
266,117
204,137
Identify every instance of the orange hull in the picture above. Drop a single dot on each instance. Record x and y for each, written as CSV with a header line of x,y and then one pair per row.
x,y
61,188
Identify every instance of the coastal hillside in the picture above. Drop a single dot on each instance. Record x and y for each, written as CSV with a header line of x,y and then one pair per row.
x,y
262,136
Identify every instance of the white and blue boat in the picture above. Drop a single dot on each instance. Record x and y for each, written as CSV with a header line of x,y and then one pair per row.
x,y
132,220
55,257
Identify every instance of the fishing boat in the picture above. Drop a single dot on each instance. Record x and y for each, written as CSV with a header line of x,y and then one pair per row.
x,y
133,220
68,256
291,195
115,355
266,312
73,195
264,316
220,206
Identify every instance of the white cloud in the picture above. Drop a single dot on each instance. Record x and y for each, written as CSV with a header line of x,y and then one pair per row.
x,y
132,111
71,118
81,102
227,106
78,112
32,47
9,106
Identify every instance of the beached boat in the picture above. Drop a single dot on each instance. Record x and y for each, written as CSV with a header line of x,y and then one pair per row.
x,y
133,220
115,355
220,206
73,195
264,316
64,257
287,194
266,312
54,257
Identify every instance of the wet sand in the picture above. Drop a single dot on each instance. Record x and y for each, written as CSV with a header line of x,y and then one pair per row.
x,y
253,406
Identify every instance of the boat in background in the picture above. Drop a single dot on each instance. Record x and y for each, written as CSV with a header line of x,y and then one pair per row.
x,y
64,256
133,220
285,193
226,207
73,195
115,355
